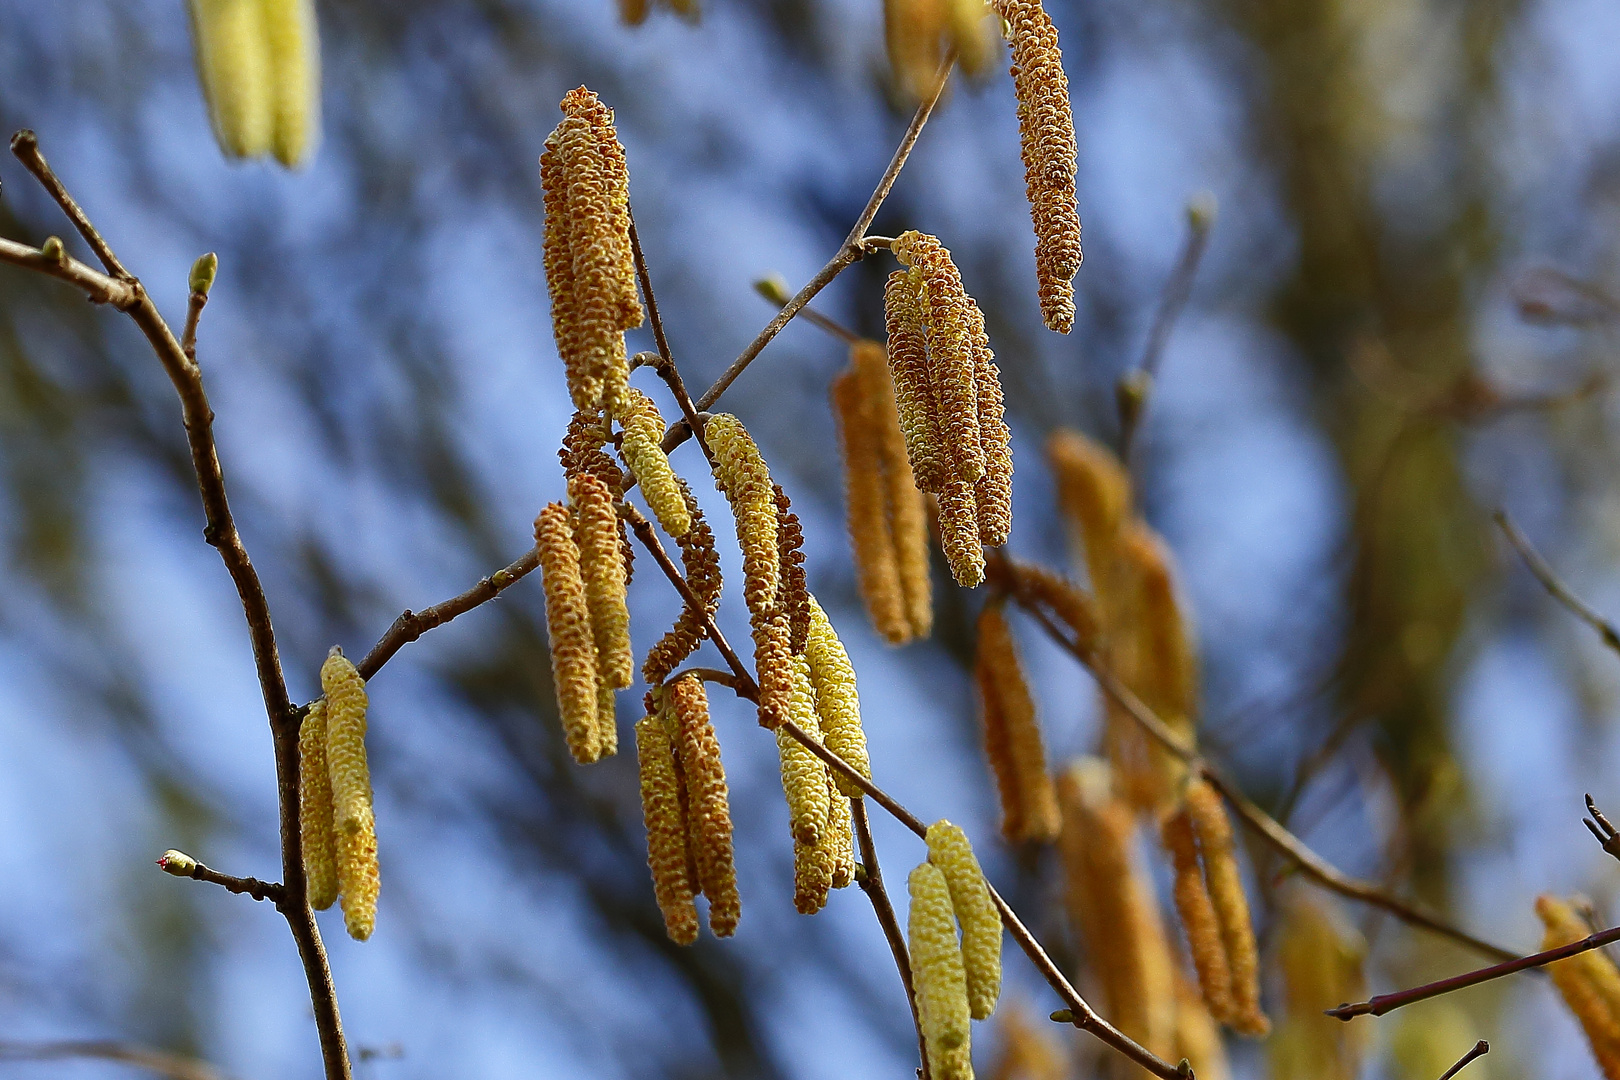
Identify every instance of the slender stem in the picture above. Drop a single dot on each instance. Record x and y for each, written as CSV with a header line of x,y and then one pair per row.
x,y
666,366
188,334
100,288
1555,588
25,145
160,1062
1480,1049
1384,1003
413,624
179,865
870,879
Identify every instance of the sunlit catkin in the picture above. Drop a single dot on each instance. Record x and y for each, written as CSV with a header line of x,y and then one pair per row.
x,y
912,31
948,849
294,55
1027,1051
1320,957
666,830
1067,601
877,569
840,838
233,65
1585,981
596,533
708,803
1046,131
1198,917
937,972
1225,884
812,876
644,453
838,704
701,563
952,370
908,367
315,808
358,879
1094,492
742,475
584,381
793,596
804,776
568,622
1198,1036
346,763
1012,735
993,492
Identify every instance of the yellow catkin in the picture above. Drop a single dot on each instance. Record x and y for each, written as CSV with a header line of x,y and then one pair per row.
x,y
1584,982
346,763
1225,884
1012,735
908,368
293,42
871,536
804,776
838,704
840,838
601,565
952,371
742,475
584,383
937,972
709,806
812,876
568,622
1198,918
970,33
233,66
1046,131
644,453
666,830
315,808
1320,958
948,849
959,532
993,492
358,879
1198,1037
1027,1051
594,252
1111,904
701,563
912,30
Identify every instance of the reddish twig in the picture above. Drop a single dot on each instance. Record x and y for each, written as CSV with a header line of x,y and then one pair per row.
x,y
1480,1049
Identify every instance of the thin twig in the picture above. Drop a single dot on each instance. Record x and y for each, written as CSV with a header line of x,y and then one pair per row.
x,y
98,287
174,1066
1556,588
413,624
220,533
709,674
1480,1049
182,865
666,366
1602,828
188,334
869,876
1384,1003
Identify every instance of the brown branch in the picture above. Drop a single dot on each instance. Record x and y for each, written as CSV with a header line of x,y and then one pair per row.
x,y
161,1062
413,624
98,287
179,864
774,289
666,360
1555,588
1480,1049
1294,849
220,533
1602,828
869,876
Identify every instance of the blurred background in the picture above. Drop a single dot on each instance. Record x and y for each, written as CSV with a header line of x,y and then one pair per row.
x,y
1404,321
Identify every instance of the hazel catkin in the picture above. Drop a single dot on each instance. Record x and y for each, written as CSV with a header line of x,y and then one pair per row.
x,y
358,879
908,367
666,830
1225,884
345,713
952,371
701,563
877,570
233,66
644,453
948,849
840,838
793,596
568,623
1012,735
742,475
1198,917
804,775
293,52
993,491
708,803
838,704
315,808
1587,983
937,971
596,533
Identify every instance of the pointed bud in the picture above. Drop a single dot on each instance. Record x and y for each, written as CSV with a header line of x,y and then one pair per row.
x,y
202,273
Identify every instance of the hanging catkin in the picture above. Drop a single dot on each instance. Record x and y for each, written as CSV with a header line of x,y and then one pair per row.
x,y
354,828
1588,982
702,570
742,475
948,849
1198,917
596,532
812,876
666,830
708,803
804,776
952,371
1094,493
1027,1052
794,595
294,54
1198,1037
1319,956
568,622
908,367
358,880
644,453
315,808
912,31
959,532
840,838
938,974
1012,736
871,535
1225,884
993,492
1066,600
1046,131
233,66
838,704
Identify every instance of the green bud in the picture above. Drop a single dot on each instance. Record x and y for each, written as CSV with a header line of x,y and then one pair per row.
x,y
1062,1016
774,288
202,273
1131,393
177,863
53,250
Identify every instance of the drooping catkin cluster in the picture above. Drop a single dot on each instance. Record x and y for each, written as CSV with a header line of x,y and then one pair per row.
x,y
259,65
1214,910
948,393
888,527
634,12
976,913
1143,636
1320,957
354,828
596,532
701,564
1588,982
838,703
1046,132
1112,906
938,974
568,624
665,819
315,809
590,268
644,453
1012,735
1055,594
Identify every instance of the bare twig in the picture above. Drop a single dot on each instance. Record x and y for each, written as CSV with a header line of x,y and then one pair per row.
x,y
774,289
98,287
1602,828
1556,588
1480,1049
161,1062
182,865
869,876
26,146
666,367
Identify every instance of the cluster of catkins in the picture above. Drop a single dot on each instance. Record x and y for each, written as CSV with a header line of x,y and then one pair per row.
x,y
948,393
335,819
954,980
1588,982
259,65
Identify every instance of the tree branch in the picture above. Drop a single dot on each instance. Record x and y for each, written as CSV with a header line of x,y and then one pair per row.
x,y
869,876
1480,1049
1555,588
180,864
161,1062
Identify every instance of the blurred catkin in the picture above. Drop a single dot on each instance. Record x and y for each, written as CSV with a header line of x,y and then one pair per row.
x,y
1027,1051
568,623
1198,1036
1225,884
1069,603
315,808
913,31
644,453
1320,959
938,975
293,52
233,65
666,830
708,803
1588,982
949,849
838,704
1012,735
1046,132
1198,917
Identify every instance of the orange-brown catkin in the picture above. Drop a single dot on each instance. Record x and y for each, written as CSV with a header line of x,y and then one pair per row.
x,y
871,535
1046,131
959,532
666,830
568,623
596,532
701,563
741,473
1198,916
1012,736
1225,885
708,803
315,808
993,492
793,596
1027,1052
912,31
1587,982
908,367
1094,492
952,371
